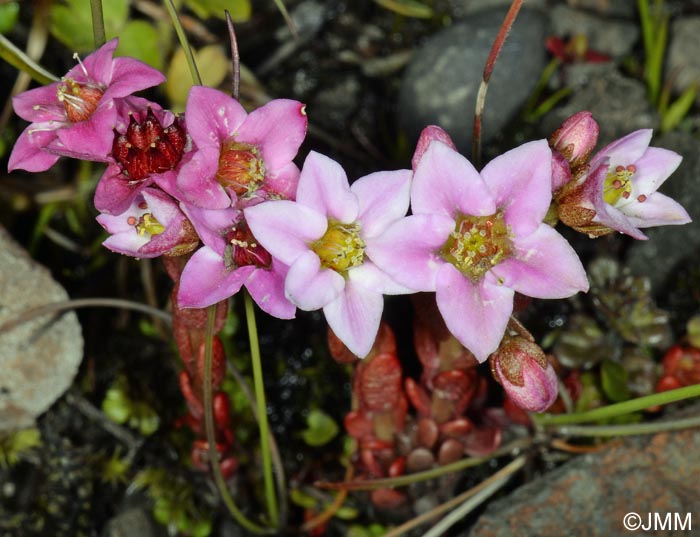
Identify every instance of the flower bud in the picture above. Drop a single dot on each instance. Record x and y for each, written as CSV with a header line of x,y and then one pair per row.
x,y
576,138
521,367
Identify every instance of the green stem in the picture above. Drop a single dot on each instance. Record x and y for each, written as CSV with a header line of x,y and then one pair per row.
x,y
98,23
628,429
18,59
184,43
262,409
371,484
209,428
619,409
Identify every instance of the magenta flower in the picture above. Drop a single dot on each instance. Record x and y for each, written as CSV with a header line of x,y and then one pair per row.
x,y
475,239
152,226
324,237
623,183
149,144
231,258
74,117
240,155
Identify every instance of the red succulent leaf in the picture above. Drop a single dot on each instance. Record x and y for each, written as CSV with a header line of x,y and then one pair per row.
x,y
388,498
456,428
450,451
482,441
380,382
358,425
418,397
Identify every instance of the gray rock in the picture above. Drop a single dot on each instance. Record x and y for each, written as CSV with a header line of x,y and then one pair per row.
x,y
619,104
615,37
591,494
441,82
668,245
464,8
134,522
334,104
39,358
608,8
683,58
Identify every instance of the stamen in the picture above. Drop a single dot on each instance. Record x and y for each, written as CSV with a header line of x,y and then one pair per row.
x,y
76,57
641,198
341,247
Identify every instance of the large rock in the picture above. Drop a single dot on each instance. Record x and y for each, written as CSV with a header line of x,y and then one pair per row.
x,y
441,82
591,494
669,245
39,358
683,58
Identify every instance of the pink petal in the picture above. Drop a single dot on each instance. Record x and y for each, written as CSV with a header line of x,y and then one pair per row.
x,y
653,168
427,135
476,314
278,129
130,75
98,65
114,192
408,250
40,105
545,266
656,210
369,276
310,286
324,187
283,181
91,139
446,183
267,289
197,180
129,243
285,228
354,317
212,116
520,181
627,150
205,280
383,198
27,154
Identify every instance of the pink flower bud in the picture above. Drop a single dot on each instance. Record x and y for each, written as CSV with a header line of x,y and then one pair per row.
x,y
576,138
521,367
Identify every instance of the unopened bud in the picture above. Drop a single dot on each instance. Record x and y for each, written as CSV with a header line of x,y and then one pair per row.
x,y
521,367
576,138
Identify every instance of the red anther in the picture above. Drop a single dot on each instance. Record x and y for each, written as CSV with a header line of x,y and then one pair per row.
x,y
625,194
617,183
398,467
222,413
619,169
632,168
228,466
152,128
641,198
193,403
218,362
132,221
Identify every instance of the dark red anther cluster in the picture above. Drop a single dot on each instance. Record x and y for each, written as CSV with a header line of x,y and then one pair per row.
x,y
681,368
245,249
147,147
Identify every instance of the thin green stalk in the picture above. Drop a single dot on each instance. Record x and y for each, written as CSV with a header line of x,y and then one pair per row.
x,y
211,437
619,409
472,498
18,59
371,484
184,42
98,23
629,429
259,386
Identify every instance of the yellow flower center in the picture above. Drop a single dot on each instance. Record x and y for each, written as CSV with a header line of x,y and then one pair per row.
x,y
147,224
341,247
241,167
477,244
618,184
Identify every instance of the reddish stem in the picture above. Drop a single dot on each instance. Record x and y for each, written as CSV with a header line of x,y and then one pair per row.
x,y
488,70
235,57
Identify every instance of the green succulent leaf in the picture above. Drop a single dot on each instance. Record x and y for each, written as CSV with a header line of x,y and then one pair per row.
x,y
240,10
71,22
9,13
613,378
321,428
407,8
141,40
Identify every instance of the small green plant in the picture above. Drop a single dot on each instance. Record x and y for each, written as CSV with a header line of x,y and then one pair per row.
x,y
14,445
119,406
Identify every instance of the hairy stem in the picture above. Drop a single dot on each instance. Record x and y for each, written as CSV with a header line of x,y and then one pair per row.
x,y
235,58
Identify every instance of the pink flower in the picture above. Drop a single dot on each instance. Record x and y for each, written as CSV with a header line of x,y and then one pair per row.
x,y
623,183
475,239
74,117
152,226
324,237
148,145
230,258
526,375
576,138
240,155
